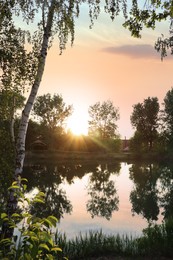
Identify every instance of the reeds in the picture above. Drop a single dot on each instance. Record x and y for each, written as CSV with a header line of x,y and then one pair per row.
x,y
156,242
95,244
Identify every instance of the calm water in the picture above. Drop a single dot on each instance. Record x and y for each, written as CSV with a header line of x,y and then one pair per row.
x,y
117,198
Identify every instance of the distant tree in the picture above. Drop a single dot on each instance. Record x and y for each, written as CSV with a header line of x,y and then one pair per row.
x,y
168,116
145,118
52,110
103,122
52,113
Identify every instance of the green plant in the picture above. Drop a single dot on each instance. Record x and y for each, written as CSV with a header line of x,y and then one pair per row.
x,y
34,239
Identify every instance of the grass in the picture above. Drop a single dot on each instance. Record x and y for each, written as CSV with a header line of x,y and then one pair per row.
x,y
155,243
63,156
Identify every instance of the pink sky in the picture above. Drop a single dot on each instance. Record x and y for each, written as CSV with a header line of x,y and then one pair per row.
x,y
107,63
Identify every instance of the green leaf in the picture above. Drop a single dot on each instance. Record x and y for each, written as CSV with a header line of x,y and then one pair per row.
x,y
50,257
13,187
45,236
4,215
44,246
14,183
34,238
53,220
26,215
41,194
6,241
24,187
38,200
57,249
16,215
24,179
47,223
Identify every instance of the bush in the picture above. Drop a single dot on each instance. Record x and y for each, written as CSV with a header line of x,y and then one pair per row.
x,y
34,239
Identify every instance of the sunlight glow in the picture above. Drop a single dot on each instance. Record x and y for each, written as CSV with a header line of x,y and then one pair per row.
x,y
78,123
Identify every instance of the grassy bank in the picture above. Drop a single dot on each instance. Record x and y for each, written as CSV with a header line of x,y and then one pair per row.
x,y
63,156
155,243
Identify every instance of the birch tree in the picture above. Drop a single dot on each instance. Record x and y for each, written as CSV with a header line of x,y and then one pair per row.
x,y
55,17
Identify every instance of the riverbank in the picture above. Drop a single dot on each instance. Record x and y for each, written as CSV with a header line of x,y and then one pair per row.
x,y
64,156
41,156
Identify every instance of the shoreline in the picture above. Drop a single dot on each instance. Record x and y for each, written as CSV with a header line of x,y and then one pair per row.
x,y
40,156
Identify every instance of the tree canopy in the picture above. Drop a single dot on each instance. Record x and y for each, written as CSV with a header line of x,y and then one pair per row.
x,y
52,110
168,116
103,122
145,119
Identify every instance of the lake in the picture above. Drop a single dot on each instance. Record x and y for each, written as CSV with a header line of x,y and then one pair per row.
x,y
117,197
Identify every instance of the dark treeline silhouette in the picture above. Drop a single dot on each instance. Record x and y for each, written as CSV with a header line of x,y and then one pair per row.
x,y
40,137
153,126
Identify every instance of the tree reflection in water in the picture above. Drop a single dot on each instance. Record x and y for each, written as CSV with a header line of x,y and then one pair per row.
x,y
104,199
166,189
151,195
153,190
144,197
48,179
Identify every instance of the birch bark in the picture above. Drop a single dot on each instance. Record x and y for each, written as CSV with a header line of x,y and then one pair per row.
x,y
20,146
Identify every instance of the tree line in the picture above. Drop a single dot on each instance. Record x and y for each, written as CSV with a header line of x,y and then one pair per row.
x,y
48,124
153,126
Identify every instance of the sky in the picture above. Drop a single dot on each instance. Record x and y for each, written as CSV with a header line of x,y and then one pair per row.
x,y
106,63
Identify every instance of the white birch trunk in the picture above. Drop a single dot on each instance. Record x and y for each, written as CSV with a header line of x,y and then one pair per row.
x,y
20,147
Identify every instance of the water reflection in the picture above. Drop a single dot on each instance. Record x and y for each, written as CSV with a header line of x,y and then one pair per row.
x,y
104,199
144,196
105,191
166,189
48,179
153,190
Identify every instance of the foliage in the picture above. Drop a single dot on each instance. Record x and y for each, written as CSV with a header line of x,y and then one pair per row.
x,y
96,244
155,242
103,120
51,110
148,15
6,164
145,119
50,19
168,118
10,101
7,151
33,238
52,113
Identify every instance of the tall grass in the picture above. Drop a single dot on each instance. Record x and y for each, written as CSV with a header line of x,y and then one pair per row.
x,y
155,242
95,244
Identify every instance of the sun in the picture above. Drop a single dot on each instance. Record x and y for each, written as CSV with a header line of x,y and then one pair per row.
x,y
78,124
